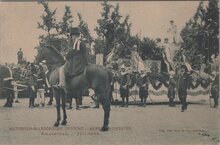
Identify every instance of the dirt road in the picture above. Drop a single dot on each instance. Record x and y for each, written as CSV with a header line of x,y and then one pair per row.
x,y
156,124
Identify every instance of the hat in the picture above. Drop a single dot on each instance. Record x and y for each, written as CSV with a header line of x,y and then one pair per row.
x,y
166,39
74,31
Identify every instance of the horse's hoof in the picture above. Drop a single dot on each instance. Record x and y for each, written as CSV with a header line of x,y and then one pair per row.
x,y
78,108
70,108
56,124
64,122
104,128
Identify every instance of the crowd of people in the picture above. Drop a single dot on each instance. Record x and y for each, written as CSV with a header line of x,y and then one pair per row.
x,y
37,85
28,80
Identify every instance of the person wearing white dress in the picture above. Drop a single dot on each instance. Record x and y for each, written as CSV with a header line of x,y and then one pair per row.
x,y
174,34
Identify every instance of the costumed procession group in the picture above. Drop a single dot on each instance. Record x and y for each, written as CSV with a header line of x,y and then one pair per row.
x,y
33,78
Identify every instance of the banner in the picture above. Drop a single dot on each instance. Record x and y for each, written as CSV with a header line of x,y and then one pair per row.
x,y
153,66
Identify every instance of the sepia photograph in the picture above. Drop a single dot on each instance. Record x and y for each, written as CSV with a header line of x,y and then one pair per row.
x,y
117,72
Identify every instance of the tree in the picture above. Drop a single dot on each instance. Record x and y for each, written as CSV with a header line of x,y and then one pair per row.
x,y
48,19
194,37
114,30
83,26
149,50
201,34
212,27
66,23
105,29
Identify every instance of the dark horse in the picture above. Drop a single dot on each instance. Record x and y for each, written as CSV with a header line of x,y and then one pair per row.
x,y
95,77
6,88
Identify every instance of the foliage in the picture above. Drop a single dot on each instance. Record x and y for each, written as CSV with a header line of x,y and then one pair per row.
x,y
66,23
113,29
62,28
83,26
48,19
201,33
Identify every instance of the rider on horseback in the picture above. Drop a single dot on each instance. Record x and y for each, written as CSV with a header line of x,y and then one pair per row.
x,y
76,59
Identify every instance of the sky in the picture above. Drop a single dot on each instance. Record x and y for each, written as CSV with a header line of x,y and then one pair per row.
x,y
18,21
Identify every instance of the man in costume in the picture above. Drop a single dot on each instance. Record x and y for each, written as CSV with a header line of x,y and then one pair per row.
x,y
76,58
171,89
143,81
124,85
183,85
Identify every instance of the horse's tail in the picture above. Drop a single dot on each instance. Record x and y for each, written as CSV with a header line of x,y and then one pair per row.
x,y
110,76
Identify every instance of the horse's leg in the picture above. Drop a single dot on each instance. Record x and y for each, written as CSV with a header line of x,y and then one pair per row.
x,y
51,96
77,103
69,100
105,101
64,122
57,97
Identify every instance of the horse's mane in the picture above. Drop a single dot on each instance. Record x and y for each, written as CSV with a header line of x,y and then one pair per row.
x,y
51,47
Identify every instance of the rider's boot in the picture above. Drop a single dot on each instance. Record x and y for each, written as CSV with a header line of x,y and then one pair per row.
x,y
61,77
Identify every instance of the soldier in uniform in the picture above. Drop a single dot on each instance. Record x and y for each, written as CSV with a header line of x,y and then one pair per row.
x,y
31,85
124,85
41,84
142,83
183,85
171,89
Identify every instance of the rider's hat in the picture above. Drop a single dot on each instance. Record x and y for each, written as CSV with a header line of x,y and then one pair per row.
x,y
74,31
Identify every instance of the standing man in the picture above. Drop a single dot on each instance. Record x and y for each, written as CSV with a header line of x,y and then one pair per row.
x,y
15,89
31,85
174,34
20,56
41,85
171,89
124,85
183,85
143,81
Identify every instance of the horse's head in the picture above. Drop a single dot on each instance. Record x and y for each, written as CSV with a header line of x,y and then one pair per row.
x,y
50,54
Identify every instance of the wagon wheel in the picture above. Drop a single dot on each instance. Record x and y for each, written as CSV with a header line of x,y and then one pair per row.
x,y
94,97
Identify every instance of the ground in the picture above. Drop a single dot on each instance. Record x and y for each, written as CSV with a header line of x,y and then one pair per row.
x,y
156,124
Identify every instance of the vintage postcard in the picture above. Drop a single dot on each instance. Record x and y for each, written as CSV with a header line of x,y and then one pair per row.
x,y
109,72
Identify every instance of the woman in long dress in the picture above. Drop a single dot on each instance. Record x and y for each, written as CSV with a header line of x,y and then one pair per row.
x,y
174,34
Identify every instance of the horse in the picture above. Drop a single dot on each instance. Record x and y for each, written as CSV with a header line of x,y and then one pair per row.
x,y
96,77
6,87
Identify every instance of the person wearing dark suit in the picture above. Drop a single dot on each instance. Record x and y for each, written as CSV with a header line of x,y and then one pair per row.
x,y
124,85
143,81
171,89
183,85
